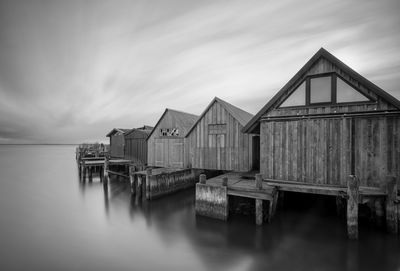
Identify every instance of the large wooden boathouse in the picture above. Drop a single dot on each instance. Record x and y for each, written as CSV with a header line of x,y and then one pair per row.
x,y
166,140
328,131
216,142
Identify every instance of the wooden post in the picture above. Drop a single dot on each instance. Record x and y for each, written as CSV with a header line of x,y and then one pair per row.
x,y
258,181
379,211
90,174
148,175
139,187
202,178
131,177
225,181
259,211
391,216
83,171
105,174
272,206
101,171
352,206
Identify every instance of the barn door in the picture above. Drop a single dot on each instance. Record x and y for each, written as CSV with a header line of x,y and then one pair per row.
x,y
176,153
159,153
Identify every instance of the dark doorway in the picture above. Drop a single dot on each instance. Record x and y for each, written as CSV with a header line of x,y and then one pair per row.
x,y
256,152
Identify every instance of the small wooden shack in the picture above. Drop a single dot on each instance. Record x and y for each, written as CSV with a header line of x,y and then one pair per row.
x,y
136,145
326,123
216,141
166,141
117,142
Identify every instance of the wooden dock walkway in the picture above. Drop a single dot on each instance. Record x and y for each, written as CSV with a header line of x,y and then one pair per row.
x,y
212,197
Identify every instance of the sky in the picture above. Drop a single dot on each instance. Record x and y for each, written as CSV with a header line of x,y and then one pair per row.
x,y
70,71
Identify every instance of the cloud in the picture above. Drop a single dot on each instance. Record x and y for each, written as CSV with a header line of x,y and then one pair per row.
x,y
70,71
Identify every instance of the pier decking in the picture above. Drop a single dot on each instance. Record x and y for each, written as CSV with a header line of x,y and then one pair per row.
x,y
212,197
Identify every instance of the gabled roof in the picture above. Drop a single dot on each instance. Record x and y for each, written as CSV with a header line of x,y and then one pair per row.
x,y
144,129
186,120
253,123
117,130
240,115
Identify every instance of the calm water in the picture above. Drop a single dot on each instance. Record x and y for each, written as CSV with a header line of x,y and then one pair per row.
x,y
50,221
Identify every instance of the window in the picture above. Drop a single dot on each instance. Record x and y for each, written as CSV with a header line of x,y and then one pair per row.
x,y
320,89
169,132
216,129
346,93
298,97
327,88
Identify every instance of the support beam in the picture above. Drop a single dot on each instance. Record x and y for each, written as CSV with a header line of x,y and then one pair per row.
x,y
259,212
391,210
258,181
202,178
353,184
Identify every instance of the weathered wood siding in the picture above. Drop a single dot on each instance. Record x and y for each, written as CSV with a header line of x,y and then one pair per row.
x,y
324,66
136,147
168,151
117,145
231,150
319,150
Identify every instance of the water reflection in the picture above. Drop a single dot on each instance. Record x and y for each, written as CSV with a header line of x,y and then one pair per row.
x,y
55,222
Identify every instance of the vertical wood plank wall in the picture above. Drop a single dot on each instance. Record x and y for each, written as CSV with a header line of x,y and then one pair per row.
x,y
228,151
117,143
319,150
167,151
136,147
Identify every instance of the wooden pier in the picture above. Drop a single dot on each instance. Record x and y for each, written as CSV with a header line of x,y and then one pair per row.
x,y
156,182
212,197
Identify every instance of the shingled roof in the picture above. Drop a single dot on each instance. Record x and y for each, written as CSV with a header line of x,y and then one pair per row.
x,y
240,115
184,119
116,130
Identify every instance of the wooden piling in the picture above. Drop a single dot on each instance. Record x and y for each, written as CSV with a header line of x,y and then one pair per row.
x,y
225,181
352,206
391,209
202,178
105,169
83,171
148,176
101,172
259,211
258,181
139,187
272,206
90,174
379,212
132,177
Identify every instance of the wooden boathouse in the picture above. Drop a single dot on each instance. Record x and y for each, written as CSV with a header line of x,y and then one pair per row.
x,y
136,145
117,142
216,142
330,131
166,140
